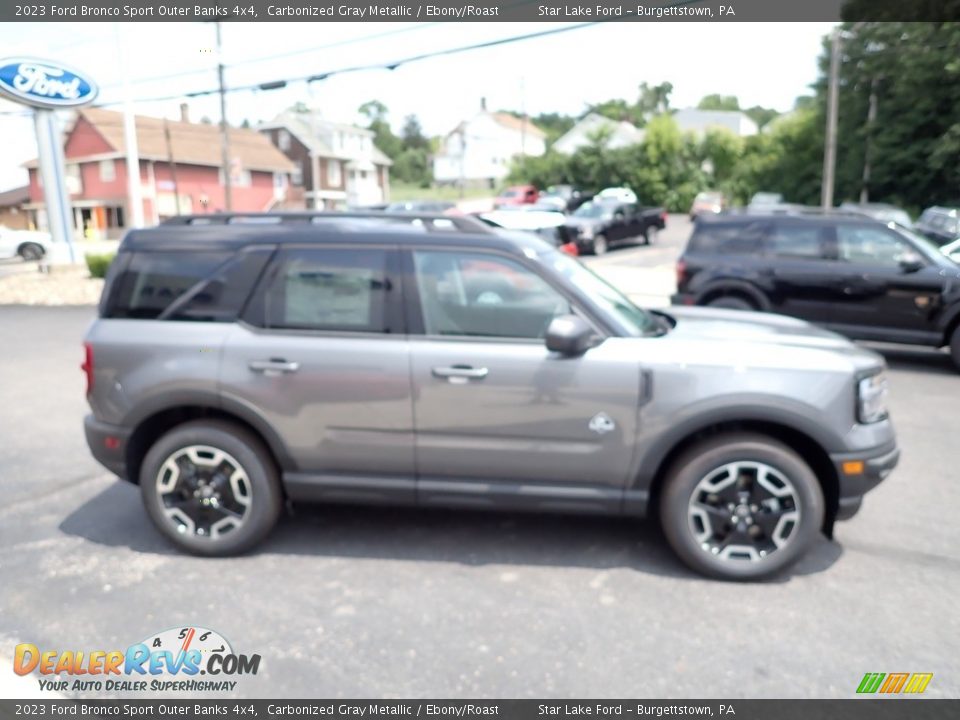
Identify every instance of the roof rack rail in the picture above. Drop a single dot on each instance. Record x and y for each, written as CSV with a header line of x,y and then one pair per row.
x,y
431,221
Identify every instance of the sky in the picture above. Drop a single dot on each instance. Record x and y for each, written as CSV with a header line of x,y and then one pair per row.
x,y
767,64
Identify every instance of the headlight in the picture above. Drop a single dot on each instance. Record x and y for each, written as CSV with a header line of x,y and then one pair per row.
x,y
586,232
872,398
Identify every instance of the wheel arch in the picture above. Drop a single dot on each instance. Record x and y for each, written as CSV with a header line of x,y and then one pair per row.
x,y
734,288
150,425
806,444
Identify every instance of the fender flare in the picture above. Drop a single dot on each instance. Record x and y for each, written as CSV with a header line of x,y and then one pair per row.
x,y
741,286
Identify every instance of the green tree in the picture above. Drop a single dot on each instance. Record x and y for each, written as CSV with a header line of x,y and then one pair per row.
x,y
412,134
719,102
376,113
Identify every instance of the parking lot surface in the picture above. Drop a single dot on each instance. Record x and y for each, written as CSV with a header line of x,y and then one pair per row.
x,y
373,602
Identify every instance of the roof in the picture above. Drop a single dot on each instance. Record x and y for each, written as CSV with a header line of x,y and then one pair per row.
x,y
621,132
310,128
15,196
313,228
695,119
518,124
191,143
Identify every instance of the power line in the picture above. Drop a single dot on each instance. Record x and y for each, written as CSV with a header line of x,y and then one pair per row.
x,y
276,84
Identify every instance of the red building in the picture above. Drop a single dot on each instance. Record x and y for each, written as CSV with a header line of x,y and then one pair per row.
x,y
180,171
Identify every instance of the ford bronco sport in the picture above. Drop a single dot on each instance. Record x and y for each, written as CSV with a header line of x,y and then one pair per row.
x,y
240,362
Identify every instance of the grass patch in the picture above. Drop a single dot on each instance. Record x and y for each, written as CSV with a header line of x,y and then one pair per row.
x,y
402,192
98,264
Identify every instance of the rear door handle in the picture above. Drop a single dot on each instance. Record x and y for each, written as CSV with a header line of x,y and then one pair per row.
x,y
274,366
460,373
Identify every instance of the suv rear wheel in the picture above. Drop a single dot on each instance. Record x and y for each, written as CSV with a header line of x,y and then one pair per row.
x,y
731,302
741,507
211,488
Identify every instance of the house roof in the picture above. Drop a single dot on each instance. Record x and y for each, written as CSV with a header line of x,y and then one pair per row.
x,y
310,129
621,132
733,120
518,124
15,196
190,143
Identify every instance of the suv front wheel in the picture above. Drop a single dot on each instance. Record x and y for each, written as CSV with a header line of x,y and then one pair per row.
x,y
211,488
741,506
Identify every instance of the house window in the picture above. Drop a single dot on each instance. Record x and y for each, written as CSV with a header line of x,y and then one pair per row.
x,y
73,180
283,140
296,177
108,171
238,178
333,172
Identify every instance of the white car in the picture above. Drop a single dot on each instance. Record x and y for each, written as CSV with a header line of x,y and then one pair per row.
x,y
620,194
28,244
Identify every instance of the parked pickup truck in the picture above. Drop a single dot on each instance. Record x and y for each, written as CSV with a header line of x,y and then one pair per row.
x,y
598,225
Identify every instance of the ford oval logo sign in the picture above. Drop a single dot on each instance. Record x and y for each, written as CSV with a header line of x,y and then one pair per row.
x,y
45,84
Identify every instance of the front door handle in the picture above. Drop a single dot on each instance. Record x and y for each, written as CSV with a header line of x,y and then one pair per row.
x,y
460,373
274,366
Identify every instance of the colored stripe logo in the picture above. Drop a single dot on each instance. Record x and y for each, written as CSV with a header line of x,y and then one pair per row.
x,y
894,683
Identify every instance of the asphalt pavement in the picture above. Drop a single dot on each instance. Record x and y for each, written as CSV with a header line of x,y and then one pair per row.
x,y
378,602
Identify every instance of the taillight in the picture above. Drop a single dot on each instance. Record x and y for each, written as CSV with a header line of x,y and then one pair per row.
x,y
570,249
681,273
663,217
87,365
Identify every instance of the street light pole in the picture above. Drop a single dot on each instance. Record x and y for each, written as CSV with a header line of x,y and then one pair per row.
x,y
830,151
224,137
868,150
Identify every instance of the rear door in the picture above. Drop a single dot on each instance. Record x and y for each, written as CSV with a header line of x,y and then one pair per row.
x,y
322,358
802,281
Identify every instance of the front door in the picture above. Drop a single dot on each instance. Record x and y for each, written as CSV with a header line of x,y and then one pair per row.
x,y
498,417
879,294
323,359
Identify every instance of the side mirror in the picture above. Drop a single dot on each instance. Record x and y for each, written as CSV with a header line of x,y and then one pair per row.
x,y
570,335
910,262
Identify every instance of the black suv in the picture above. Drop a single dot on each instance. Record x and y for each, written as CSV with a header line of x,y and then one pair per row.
x,y
859,277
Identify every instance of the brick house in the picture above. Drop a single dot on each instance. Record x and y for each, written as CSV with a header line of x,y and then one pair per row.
x,y
336,164
179,171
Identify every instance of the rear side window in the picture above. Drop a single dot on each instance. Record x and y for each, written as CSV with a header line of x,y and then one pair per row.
x,y
328,289
742,238
152,281
798,241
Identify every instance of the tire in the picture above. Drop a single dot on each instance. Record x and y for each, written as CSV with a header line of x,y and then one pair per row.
x,y
955,347
255,496
599,245
648,236
731,302
779,528
31,251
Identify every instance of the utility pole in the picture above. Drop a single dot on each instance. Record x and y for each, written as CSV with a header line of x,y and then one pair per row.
x,y
868,150
134,186
173,165
224,137
830,151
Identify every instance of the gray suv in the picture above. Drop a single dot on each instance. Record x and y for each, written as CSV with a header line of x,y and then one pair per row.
x,y
241,362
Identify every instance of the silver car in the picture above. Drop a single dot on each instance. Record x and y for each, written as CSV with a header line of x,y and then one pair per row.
x,y
345,359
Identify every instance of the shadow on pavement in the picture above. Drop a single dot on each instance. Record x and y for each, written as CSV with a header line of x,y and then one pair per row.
x,y
116,518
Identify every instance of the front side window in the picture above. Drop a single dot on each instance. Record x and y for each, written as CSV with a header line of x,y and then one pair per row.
x,y
481,295
870,245
328,289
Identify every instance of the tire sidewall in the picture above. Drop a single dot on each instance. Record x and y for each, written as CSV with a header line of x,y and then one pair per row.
x,y
266,496
603,247
731,303
697,463
36,249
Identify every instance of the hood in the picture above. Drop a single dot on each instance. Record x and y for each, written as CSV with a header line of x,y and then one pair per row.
x,y
752,331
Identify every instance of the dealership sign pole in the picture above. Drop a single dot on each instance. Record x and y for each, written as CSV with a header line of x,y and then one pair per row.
x,y
48,86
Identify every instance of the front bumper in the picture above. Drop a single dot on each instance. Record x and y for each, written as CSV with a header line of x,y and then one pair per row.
x,y
108,444
860,472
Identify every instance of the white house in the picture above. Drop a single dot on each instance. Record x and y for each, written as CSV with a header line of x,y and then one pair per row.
x,y
619,134
479,151
337,163
699,121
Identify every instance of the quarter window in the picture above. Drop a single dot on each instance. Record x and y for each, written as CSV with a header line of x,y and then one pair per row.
x,y
484,296
329,289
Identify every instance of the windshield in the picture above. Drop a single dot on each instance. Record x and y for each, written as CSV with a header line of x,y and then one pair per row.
x,y
926,244
632,319
509,193
593,210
